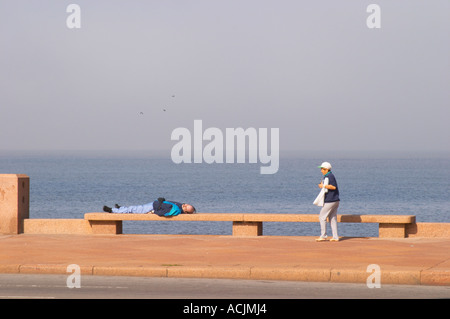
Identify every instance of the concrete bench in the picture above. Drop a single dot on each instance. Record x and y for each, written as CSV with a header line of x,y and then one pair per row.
x,y
250,224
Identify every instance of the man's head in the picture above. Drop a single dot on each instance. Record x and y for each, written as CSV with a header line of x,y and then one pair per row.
x,y
188,209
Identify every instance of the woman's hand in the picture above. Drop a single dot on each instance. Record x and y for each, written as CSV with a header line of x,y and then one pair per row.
x,y
327,186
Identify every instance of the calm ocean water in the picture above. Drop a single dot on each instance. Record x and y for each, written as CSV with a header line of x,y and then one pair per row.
x,y
67,185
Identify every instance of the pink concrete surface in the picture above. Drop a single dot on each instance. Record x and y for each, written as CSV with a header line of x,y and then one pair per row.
x,y
424,261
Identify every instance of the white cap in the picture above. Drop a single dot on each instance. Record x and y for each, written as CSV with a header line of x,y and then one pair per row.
x,y
325,165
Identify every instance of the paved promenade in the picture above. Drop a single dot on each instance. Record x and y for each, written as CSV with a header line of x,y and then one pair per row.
x,y
411,261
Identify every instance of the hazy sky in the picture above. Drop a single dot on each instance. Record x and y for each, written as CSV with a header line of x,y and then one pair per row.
x,y
313,69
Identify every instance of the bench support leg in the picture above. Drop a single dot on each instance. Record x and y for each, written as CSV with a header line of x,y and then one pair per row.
x,y
392,230
106,226
247,229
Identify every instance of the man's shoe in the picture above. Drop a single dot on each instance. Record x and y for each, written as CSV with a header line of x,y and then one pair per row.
x,y
107,209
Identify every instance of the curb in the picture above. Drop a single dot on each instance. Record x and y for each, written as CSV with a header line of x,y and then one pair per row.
x,y
346,275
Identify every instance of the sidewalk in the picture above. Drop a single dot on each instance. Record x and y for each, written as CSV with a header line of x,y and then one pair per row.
x,y
424,261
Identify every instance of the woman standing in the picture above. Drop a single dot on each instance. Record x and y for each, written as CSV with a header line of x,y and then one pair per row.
x,y
331,203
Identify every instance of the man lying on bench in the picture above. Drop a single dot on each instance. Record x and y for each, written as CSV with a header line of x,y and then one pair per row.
x,y
159,207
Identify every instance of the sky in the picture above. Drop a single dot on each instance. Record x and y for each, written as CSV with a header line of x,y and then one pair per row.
x,y
136,70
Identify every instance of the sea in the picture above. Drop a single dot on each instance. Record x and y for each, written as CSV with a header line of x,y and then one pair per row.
x,y
68,184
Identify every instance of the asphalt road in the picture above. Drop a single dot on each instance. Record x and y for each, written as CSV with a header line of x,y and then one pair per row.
x,y
15,286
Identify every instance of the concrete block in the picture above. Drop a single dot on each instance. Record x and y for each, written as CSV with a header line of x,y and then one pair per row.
x,y
401,276
428,230
291,273
106,227
14,202
357,275
391,231
9,269
56,226
154,271
52,269
209,272
435,277
247,229
387,275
